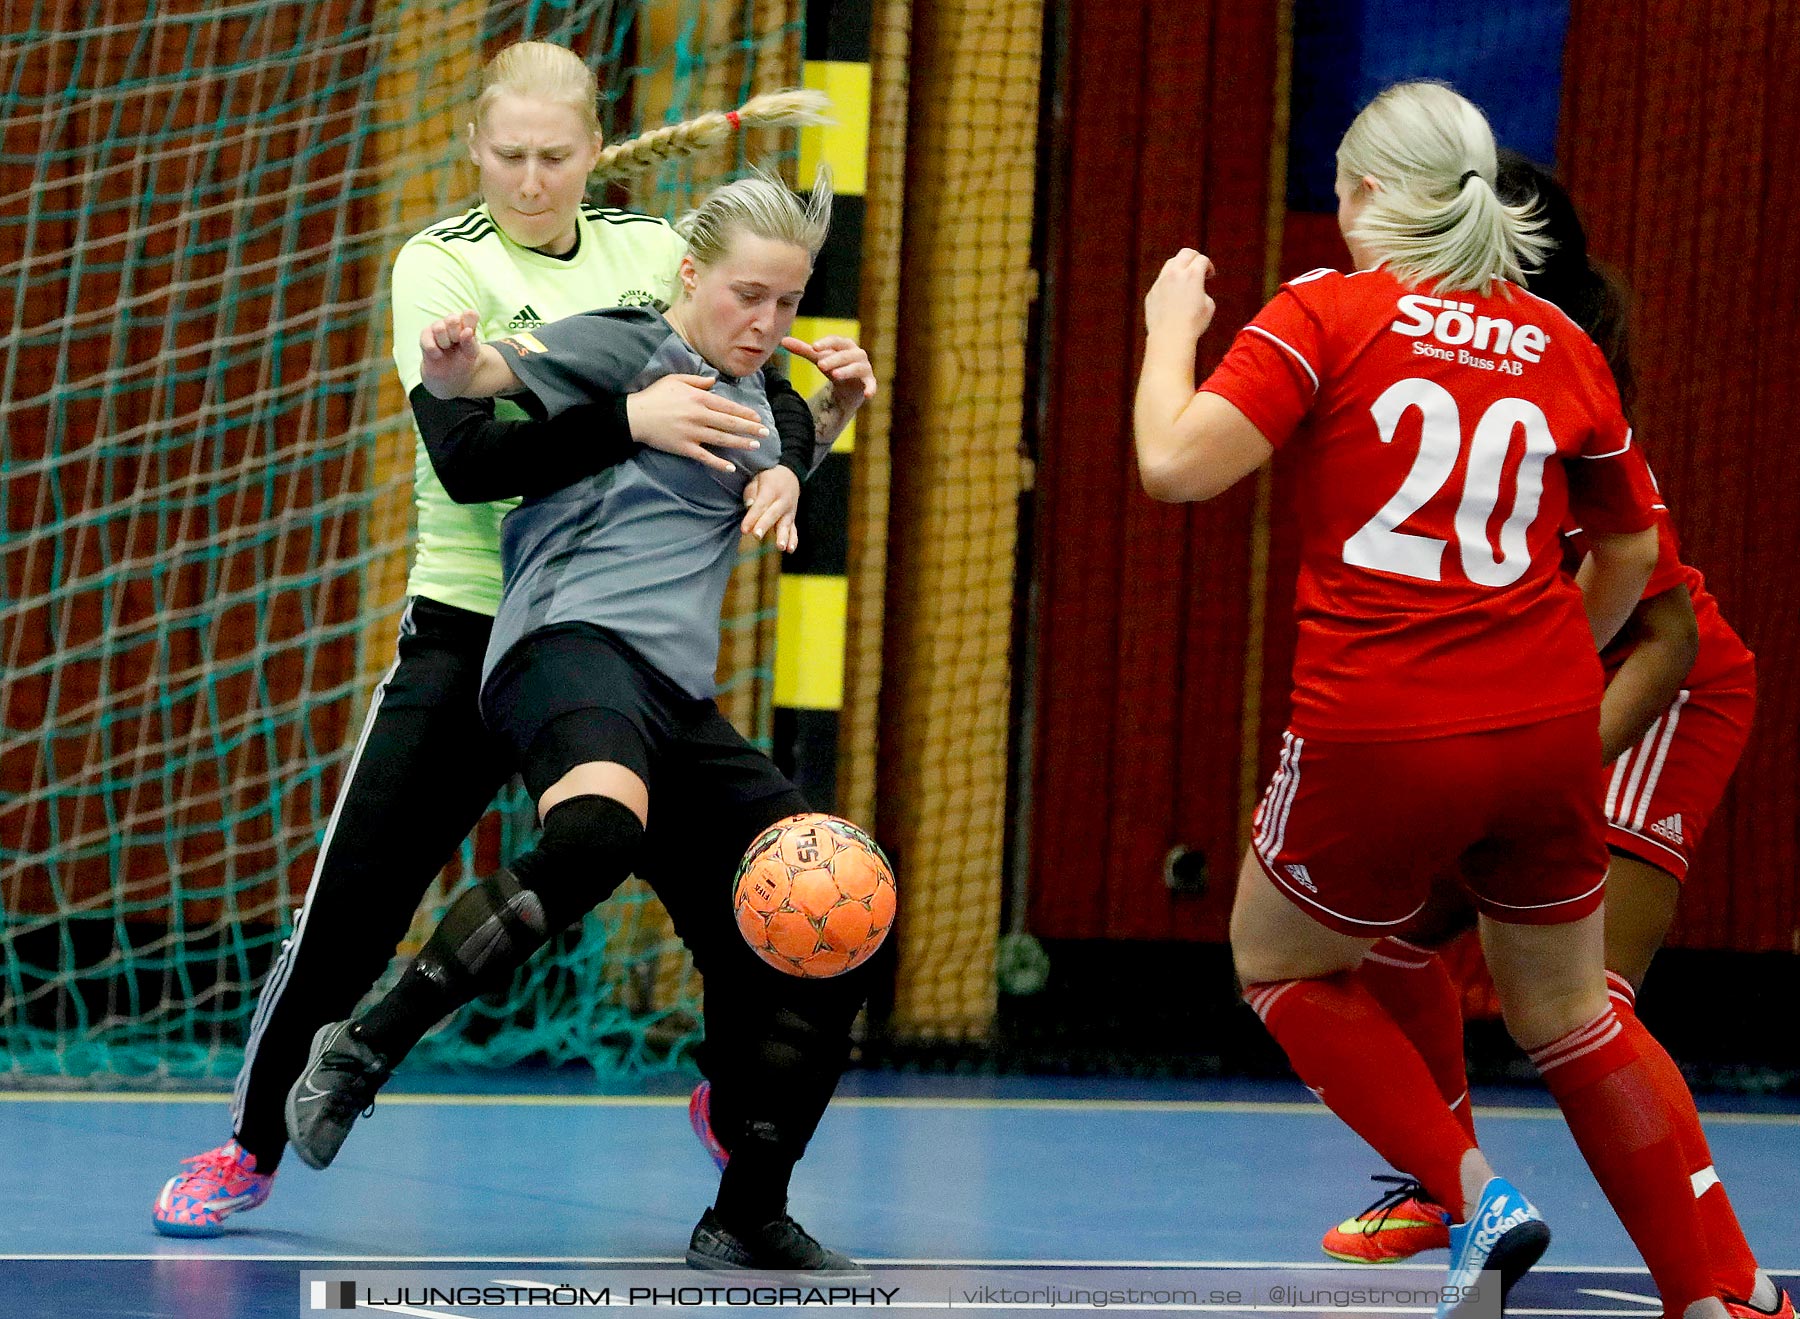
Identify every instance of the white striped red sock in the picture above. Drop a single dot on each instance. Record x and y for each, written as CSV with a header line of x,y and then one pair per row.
x,y
1605,1077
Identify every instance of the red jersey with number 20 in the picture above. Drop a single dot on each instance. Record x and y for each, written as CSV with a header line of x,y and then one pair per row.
x,y
1439,446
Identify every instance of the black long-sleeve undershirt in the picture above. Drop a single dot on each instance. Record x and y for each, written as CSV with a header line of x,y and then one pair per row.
x,y
479,458
794,423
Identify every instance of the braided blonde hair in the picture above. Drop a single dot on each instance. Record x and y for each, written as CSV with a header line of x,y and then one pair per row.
x,y
555,73
788,109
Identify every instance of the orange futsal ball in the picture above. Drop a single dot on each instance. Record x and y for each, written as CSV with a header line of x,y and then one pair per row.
x,y
814,896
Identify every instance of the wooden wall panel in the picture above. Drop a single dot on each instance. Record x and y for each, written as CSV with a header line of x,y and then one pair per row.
x,y
1764,815
1153,546
171,532
959,389
1215,611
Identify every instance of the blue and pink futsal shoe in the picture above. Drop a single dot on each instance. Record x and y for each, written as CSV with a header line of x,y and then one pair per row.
x,y
215,1185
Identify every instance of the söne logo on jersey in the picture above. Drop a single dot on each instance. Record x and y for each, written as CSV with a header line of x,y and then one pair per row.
x,y
1454,325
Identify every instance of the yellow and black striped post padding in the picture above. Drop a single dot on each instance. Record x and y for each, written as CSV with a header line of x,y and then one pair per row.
x,y
813,600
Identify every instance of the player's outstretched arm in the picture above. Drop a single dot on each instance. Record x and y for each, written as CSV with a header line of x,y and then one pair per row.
x,y
479,457
1190,446
453,365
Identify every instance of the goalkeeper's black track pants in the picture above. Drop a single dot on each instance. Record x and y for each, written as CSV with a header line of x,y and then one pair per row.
x,y
422,775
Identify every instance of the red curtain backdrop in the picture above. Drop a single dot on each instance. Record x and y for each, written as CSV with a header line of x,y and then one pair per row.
x,y
1677,140
1164,134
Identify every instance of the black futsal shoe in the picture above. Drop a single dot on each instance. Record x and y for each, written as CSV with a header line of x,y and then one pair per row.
x,y
778,1246
338,1086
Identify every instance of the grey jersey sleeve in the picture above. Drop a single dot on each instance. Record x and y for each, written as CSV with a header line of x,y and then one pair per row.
x,y
579,358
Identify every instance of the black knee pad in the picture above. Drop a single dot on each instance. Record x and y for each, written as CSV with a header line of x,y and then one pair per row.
x,y
588,848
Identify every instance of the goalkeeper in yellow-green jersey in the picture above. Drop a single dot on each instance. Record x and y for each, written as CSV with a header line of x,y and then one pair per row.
x,y
425,768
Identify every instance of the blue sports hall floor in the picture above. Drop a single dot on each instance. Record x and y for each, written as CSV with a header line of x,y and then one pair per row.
x,y
516,1178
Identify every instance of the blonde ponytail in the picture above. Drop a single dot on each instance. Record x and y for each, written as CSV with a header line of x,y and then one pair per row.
x,y
789,109
555,73
1436,217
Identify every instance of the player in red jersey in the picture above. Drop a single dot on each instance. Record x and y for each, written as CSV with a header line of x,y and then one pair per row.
x,y
1681,689
1443,425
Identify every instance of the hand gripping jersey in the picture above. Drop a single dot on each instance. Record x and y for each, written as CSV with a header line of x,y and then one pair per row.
x,y
1440,444
643,549
620,260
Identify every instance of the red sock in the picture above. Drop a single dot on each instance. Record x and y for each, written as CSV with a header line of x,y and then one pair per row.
x,y
1415,989
1734,1267
1352,1055
1606,1085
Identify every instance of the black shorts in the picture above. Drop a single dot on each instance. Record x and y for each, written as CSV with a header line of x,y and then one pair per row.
x,y
575,693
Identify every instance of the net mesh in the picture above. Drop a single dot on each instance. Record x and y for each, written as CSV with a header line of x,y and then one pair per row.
x,y
946,684
859,731
205,491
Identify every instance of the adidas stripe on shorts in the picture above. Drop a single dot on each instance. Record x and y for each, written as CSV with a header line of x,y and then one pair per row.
x,y
1355,833
1661,793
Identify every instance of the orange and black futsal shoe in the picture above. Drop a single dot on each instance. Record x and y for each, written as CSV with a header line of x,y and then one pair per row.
x,y
1398,1226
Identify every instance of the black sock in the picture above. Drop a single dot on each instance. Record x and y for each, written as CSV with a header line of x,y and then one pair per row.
x,y
268,1158
398,1020
753,1190
775,1074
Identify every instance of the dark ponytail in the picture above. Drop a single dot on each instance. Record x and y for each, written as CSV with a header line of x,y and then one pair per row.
x,y
1588,293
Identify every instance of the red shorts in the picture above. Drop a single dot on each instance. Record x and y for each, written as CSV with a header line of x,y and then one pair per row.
x,y
1662,791
1355,833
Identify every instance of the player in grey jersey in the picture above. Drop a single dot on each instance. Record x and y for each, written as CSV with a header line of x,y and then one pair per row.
x,y
600,677
643,549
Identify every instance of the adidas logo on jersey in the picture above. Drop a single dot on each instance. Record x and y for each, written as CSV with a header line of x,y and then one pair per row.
x,y
525,318
1301,878
1669,827
1454,325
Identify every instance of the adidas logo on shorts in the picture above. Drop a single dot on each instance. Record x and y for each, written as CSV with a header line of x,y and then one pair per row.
x,y
1669,827
1301,878
525,318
